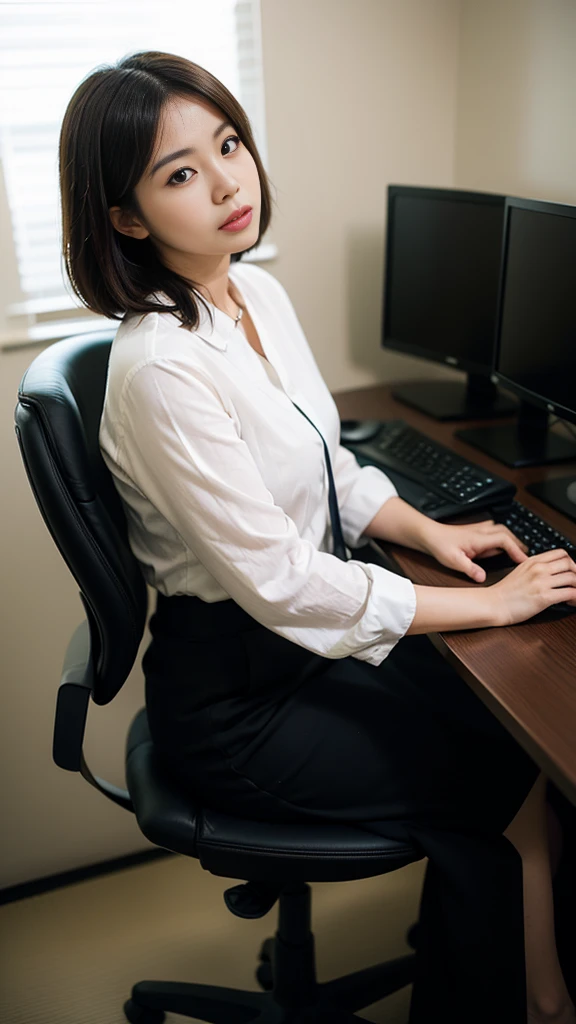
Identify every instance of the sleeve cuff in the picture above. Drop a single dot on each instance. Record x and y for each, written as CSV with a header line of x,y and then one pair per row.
x,y
387,614
398,614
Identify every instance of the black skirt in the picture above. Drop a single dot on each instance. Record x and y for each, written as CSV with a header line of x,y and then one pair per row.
x,y
256,725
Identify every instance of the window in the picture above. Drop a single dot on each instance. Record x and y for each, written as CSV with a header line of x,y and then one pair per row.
x,y
46,49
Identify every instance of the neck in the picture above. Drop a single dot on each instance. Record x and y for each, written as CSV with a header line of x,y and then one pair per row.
x,y
222,294
210,276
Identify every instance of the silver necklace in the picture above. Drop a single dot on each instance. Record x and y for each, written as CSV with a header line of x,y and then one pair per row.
x,y
237,318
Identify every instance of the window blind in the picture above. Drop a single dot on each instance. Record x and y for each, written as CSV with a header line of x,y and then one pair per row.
x,y
46,49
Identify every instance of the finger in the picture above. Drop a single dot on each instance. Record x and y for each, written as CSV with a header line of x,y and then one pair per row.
x,y
567,594
500,530
561,565
563,579
499,527
546,556
553,555
466,565
511,545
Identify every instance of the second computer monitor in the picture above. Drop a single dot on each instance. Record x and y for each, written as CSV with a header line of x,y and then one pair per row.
x,y
535,351
441,290
536,341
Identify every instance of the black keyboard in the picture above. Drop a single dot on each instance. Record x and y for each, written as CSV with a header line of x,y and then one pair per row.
x,y
453,484
536,533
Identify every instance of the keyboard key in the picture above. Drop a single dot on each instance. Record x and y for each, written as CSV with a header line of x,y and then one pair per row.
x,y
457,481
535,532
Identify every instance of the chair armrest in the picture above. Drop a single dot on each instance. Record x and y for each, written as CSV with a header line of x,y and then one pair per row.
x,y
71,711
72,702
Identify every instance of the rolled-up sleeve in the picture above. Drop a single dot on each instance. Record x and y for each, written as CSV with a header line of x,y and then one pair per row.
x,y
361,492
180,446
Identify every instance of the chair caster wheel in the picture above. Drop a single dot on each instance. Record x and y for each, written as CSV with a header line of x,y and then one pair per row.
x,y
264,976
142,1014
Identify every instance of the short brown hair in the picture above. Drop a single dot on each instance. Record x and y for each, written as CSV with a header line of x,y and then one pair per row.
x,y
106,143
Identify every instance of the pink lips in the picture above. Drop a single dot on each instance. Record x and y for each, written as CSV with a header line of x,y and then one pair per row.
x,y
238,223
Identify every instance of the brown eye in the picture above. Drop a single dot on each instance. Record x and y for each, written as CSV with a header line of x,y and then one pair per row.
x,y
236,140
181,170
174,180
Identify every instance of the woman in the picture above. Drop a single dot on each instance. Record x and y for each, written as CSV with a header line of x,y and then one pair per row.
x,y
276,684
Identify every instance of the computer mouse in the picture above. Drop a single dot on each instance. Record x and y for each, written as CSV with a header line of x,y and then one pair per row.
x,y
357,431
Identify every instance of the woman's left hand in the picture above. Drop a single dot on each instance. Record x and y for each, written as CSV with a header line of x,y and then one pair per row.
x,y
457,546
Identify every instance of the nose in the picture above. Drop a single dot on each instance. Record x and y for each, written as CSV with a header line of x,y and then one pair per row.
x,y
225,184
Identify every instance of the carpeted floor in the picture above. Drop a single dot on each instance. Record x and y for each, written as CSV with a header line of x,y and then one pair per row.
x,y
71,956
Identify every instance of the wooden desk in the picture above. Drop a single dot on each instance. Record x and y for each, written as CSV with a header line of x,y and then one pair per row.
x,y
526,673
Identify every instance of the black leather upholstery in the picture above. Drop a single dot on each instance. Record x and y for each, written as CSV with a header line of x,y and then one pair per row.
x,y
60,401
237,848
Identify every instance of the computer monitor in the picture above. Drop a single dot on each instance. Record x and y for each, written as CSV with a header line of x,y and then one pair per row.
x,y
535,349
443,249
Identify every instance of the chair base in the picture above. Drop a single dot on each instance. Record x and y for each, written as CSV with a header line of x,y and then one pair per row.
x,y
288,971
332,1002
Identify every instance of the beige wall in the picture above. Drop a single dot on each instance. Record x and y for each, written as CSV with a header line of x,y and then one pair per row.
x,y
359,93
516,121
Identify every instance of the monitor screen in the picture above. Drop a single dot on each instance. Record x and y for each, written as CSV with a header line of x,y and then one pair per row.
x,y
536,345
442,274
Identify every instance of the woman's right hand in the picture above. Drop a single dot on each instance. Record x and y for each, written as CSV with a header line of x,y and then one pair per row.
x,y
534,585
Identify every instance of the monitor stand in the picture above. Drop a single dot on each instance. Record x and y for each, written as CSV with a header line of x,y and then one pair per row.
x,y
477,398
559,493
526,442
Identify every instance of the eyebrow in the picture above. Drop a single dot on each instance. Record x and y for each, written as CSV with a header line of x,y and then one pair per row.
x,y
186,152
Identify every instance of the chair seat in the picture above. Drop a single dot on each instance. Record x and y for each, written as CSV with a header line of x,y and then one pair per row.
x,y
244,848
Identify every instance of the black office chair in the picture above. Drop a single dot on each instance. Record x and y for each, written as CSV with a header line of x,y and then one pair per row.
x,y
57,419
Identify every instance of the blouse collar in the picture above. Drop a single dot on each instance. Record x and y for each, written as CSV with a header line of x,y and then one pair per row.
x,y
223,329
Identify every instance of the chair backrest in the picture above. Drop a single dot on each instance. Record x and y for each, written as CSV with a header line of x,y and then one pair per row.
x,y
60,401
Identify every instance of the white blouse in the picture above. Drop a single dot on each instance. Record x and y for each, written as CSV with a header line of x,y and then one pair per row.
x,y
224,481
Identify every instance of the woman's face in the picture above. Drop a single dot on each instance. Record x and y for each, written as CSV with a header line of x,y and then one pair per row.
x,y
186,196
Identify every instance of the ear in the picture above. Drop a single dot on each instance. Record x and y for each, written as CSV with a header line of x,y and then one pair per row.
x,y
127,223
